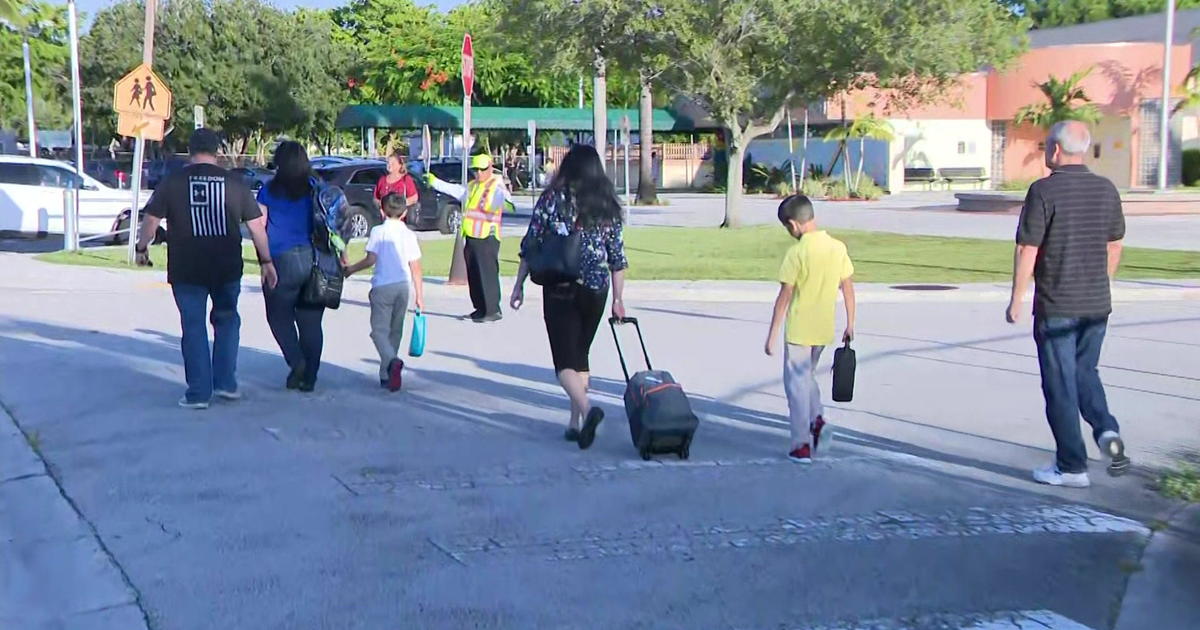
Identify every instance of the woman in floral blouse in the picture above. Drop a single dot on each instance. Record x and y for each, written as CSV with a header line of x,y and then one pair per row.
x,y
580,198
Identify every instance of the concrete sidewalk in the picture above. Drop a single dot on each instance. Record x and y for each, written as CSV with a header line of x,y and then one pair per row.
x,y
1165,591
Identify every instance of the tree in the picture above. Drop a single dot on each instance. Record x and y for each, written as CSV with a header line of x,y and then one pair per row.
x,y
1065,100
45,26
1191,86
861,129
1050,13
744,60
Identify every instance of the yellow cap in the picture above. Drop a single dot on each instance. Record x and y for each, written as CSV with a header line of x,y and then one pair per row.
x,y
481,162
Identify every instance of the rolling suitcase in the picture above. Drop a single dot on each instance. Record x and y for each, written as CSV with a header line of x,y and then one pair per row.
x,y
844,363
660,416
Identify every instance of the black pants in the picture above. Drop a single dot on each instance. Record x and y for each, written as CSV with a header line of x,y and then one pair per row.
x,y
572,313
482,256
297,328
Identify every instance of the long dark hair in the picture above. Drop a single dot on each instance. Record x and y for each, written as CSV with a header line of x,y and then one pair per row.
x,y
581,177
292,171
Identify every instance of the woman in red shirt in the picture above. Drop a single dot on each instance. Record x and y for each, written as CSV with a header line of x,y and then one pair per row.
x,y
396,181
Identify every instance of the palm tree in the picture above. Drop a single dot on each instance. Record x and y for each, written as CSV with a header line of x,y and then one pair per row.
x,y
1191,92
861,129
1066,100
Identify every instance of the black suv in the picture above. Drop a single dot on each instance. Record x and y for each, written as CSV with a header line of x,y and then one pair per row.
x,y
434,211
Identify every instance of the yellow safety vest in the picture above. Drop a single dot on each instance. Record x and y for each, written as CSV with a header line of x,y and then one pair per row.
x,y
480,218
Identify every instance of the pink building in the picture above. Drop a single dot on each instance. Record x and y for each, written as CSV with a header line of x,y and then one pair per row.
x,y
973,129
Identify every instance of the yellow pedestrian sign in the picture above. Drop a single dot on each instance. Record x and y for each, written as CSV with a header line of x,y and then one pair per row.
x,y
143,103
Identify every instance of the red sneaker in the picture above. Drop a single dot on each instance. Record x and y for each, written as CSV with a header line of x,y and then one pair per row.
x,y
802,455
816,428
395,375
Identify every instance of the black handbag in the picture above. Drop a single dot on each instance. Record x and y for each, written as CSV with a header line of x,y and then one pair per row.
x,y
323,289
554,258
844,363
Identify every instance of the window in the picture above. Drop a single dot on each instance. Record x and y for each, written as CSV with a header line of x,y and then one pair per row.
x,y
367,176
56,177
962,148
447,172
22,174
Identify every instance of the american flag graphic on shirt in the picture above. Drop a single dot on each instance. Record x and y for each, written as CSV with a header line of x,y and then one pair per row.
x,y
206,198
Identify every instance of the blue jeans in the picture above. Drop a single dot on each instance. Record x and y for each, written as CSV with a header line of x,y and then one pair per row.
x,y
1068,352
204,371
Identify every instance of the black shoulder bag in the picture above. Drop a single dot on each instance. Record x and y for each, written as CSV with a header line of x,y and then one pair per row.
x,y
554,259
323,289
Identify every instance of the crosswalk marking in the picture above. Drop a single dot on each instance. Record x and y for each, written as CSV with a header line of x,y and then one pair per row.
x,y
999,620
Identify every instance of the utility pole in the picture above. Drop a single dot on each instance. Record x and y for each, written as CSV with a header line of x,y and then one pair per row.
x,y
1164,125
71,220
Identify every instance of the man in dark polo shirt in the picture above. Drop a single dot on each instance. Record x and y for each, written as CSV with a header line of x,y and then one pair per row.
x,y
204,206
1069,244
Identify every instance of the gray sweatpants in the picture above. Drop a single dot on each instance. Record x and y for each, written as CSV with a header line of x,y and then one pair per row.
x,y
389,305
803,393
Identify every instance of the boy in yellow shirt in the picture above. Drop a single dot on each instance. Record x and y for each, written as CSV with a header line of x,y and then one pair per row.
x,y
812,272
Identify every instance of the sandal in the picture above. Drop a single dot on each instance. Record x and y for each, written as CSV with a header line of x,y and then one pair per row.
x,y
588,434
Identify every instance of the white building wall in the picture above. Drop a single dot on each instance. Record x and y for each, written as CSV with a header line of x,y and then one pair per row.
x,y
939,144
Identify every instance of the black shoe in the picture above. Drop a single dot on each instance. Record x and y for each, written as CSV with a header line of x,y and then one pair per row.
x,y
587,435
383,383
1113,447
308,386
296,377
571,435
473,316
494,317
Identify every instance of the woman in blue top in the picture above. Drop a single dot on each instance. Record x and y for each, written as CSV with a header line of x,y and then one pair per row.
x,y
582,198
286,203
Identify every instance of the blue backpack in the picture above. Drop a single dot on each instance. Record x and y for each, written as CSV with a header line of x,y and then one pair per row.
x,y
331,230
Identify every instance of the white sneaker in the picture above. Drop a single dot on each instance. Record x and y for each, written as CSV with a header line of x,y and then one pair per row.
x,y
1051,476
183,402
1113,447
227,395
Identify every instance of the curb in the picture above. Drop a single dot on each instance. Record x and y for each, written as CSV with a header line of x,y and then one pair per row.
x,y
58,574
1162,594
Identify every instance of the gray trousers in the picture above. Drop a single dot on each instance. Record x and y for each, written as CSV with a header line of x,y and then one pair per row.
x,y
389,305
803,393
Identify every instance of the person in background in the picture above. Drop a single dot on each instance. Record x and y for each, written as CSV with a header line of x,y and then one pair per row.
x,y
398,181
204,205
812,272
287,203
394,252
1069,243
483,201
580,197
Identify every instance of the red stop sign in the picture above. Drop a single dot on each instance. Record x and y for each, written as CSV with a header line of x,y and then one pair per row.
x,y
468,66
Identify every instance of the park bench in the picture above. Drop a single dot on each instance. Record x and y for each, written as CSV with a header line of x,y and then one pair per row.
x,y
962,174
925,176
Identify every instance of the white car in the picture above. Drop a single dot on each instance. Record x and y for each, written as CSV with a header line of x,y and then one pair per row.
x,y
33,198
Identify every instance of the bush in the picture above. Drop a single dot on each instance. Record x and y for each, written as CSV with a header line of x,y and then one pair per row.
x,y
1181,484
836,189
813,187
782,189
1020,185
1191,167
868,189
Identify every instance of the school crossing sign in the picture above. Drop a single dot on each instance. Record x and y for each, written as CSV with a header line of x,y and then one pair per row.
x,y
143,104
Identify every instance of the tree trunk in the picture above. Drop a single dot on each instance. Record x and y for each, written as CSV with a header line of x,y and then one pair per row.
x,y
862,152
600,106
647,187
733,181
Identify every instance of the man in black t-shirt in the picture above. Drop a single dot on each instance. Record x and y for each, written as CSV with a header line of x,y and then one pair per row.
x,y
1069,242
204,206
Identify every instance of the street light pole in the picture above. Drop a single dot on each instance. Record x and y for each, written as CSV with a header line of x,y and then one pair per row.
x,y
29,99
1164,125
71,224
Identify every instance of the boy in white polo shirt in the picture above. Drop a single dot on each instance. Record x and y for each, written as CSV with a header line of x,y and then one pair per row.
x,y
394,252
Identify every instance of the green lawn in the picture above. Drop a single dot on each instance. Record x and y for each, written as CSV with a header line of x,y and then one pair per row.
x,y
754,254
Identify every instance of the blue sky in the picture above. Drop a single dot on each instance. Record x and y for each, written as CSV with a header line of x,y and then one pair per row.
x,y
92,6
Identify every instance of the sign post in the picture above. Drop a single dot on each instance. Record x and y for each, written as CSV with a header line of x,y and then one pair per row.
x,y
143,105
532,150
625,146
71,218
458,265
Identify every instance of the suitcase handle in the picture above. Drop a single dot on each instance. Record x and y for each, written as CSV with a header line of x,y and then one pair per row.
x,y
612,323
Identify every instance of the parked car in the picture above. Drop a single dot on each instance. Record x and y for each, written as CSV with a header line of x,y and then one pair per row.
x,y
256,177
328,161
155,171
434,211
32,199
108,172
